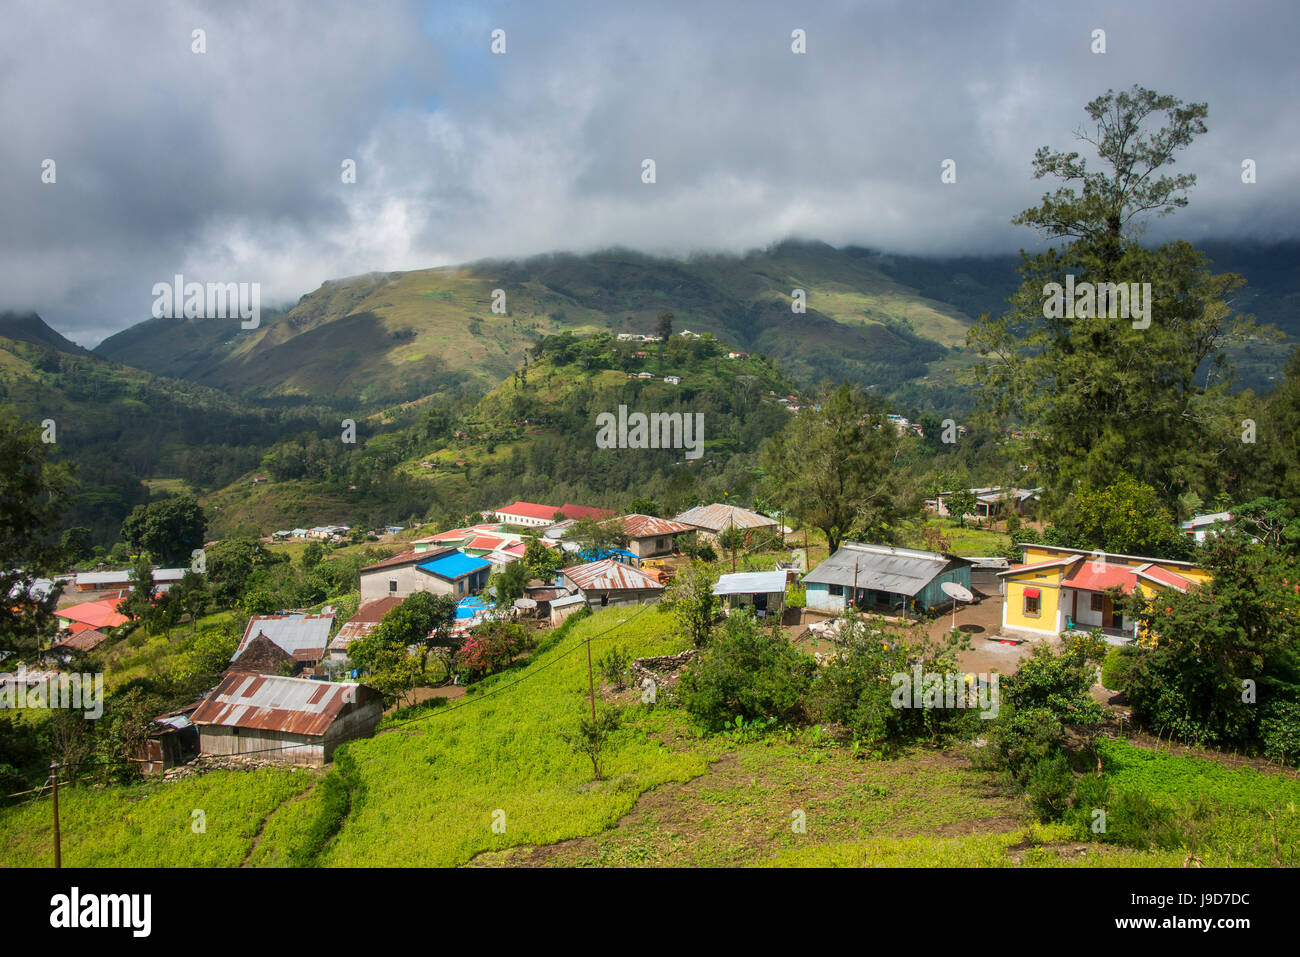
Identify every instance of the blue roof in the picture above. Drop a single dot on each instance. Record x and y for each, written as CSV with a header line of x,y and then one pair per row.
x,y
595,555
453,566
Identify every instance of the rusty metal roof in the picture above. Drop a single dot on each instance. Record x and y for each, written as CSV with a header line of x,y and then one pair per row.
x,y
293,633
717,518
647,526
272,703
609,575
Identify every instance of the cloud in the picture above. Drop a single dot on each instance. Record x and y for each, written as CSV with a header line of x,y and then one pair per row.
x,y
225,165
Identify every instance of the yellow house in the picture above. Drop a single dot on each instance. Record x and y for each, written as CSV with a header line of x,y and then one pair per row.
x,y
1065,589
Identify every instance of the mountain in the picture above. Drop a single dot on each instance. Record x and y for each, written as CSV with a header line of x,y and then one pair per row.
x,y
894,323
31,328
391,337
128,432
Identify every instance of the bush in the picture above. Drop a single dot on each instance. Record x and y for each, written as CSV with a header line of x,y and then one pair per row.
x,y
1279,732
1116,666
613,666
747,671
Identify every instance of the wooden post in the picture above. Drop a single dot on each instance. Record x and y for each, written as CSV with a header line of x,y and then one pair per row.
x,y
855,585
58,850
595,730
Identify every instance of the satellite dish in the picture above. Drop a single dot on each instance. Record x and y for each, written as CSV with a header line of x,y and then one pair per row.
x,y
525,603
959,592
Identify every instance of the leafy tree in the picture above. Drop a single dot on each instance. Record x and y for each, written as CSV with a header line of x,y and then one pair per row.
x,y
189,595
1096,395
230,562
832,467
169,529
78,544
1126,516
490,647
423,621
510,583
33,498
960,504
598,537
542,562
138,603
690,600
1242,626
312,555
1271,520
647,506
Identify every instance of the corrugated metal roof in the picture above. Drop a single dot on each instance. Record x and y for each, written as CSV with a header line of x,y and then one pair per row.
x,y
272,703
646,526
750,583
716,518
609,575
899,571
292,633
121,577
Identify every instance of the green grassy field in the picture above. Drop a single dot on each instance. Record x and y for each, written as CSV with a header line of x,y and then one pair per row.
x,y
489,780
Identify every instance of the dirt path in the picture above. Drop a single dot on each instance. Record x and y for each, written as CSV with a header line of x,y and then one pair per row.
x,y
257,838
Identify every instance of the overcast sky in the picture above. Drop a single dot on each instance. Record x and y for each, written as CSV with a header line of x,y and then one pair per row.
x,y
225,165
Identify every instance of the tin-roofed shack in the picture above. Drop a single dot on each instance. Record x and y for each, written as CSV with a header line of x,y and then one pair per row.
x,y
295,720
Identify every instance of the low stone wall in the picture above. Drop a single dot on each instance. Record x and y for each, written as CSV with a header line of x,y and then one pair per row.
x,y
654,668
222,762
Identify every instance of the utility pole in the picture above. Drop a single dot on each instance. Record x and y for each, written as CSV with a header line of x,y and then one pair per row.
x,y
58,850
733,542
595,728
855,584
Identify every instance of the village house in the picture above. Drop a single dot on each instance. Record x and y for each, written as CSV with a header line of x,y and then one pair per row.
x,y
608,582
991,502
172,740
713,520
1059,590
543,516
764,592
113,581
1200,527
884,579
304,639
648,536
100,614
359,625
442,571
295,720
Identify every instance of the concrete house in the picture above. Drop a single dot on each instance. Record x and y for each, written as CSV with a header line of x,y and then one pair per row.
x,y
443,571
1068,589
884,579
648,536
295,720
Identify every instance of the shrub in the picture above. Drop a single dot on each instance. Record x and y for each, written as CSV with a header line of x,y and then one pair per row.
x,y
747,671
613,666
1116,666
1279,732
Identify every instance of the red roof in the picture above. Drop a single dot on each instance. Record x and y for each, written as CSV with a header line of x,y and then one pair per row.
x,y
1165,577
94,614
1095,576
585,511
530,510
486,543
372,611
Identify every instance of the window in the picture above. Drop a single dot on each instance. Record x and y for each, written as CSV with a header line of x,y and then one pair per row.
x,y
392,585
1097,602
1033,603
836,590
